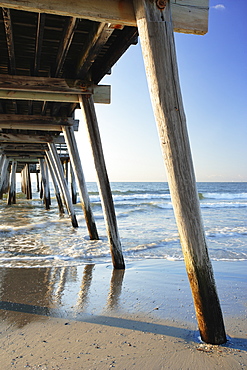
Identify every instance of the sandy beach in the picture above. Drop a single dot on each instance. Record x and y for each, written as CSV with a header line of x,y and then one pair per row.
x,y
90,317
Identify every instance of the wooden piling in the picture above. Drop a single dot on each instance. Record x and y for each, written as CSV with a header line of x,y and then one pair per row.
x,y
81,183
44,184
12,190
56,187
157,42
63,183
37,181
87,106
4,176
73,185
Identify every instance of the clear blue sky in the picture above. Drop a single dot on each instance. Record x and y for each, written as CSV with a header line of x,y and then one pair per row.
x,y
213,79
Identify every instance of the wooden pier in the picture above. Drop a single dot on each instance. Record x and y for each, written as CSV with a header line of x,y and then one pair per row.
x,y
53,57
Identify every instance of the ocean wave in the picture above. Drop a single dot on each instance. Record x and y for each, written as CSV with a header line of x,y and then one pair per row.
x,y
224,205
225,196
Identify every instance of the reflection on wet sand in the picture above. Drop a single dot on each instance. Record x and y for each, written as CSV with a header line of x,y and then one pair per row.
x,y
115,289
26,295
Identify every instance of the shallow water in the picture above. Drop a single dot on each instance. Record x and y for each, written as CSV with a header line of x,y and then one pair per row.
x,y
30,236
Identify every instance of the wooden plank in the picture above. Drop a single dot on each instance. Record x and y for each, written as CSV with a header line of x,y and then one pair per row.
x,y
87,106
189,16
159,55
101,94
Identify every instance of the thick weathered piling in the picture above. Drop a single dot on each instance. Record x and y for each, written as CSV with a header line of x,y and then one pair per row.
x,y
87,106
156,35
77,167
12,189
63,183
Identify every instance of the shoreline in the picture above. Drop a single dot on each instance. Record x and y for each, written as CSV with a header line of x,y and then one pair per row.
x,y
91,317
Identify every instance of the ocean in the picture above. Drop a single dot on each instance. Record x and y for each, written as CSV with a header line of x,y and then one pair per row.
x,y
31,237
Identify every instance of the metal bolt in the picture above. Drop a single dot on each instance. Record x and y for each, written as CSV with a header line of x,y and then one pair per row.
x,y
161,4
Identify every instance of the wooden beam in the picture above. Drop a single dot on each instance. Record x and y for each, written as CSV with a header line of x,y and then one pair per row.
x,y
158,48
64,45
95,43
27,138
50,89
190,16
38,43
33,122
9,39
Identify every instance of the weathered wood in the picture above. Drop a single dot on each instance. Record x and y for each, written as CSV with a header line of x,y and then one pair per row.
x,y
87,106
97,40
63,183
9,39
56,187
57,176
4,174
156,35
38,42
190,16
26,138
101,93
37,182
81,183
65,43
35,122
73,185
44,182
12,189
28,182
50,89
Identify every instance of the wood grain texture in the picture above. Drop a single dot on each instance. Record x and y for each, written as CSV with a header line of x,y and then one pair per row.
x,y
190,16
63,183
157,41
87,106
81,183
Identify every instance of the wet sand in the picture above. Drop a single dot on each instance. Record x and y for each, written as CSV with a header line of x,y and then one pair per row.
x,y
90,317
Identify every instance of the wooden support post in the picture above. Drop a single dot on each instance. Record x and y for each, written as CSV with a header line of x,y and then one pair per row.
x,y
73,185
65,169
63,183
44,184
47,180
87,106
12,190
56,174
157,42
76,164
37,181
28,182
55,185
4,175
